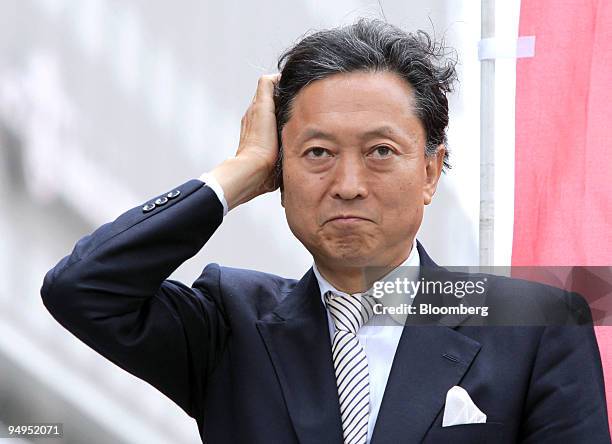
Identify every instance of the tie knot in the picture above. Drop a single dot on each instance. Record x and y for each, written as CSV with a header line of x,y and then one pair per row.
x,y
349,312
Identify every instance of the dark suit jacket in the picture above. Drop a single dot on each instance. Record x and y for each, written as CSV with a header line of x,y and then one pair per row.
x,y
247,354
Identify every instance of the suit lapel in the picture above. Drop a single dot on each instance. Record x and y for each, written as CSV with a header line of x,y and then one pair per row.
x,y
429,360
296,335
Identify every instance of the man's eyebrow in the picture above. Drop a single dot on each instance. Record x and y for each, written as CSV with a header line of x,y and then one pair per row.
x,y
385,130
315,133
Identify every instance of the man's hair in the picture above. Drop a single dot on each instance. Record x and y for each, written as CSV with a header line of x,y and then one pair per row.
x,y
371,45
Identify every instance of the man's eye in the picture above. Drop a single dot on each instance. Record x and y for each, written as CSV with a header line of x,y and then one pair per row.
x,y
317,152
382,151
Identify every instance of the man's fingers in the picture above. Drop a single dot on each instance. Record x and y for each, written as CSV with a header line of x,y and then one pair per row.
x,y
265,87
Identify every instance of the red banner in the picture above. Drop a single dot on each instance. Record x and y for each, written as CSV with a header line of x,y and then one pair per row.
x,y
563,170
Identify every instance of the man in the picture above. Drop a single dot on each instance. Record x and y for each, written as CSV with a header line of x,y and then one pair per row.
x,y
361,112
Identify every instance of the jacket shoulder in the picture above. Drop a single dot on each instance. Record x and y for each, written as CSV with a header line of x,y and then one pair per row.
x,y
554,305
241,288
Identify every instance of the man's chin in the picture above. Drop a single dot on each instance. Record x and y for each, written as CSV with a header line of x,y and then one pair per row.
x,y
349,257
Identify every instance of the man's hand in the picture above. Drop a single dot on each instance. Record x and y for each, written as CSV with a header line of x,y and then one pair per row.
x,y
251,172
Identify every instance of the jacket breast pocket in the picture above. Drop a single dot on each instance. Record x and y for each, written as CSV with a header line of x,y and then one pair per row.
x,y
480,433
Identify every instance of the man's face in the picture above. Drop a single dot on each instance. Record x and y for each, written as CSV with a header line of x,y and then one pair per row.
x,y
355,174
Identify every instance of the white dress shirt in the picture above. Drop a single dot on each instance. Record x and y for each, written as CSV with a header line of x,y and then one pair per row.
x,y
379,336
216,187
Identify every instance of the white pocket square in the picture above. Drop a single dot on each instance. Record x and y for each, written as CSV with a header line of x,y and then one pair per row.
x,y
460,409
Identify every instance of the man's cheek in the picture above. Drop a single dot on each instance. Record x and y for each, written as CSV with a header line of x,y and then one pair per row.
x,y
397,203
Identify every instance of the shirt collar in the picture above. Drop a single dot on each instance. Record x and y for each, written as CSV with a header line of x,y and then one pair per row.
x,y
413,260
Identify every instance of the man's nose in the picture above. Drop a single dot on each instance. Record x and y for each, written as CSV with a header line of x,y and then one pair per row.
x,y
350,178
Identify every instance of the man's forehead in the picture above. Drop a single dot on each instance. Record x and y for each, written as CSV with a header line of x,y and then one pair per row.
x,y
382,130
311,132
314,132
358,104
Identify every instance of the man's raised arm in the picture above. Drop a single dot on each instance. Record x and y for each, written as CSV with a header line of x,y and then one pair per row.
x,y
113,291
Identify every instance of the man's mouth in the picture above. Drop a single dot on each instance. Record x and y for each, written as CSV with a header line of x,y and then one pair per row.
x,y
347,219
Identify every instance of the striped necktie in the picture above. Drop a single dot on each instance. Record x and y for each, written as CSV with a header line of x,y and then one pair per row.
x,y
349,313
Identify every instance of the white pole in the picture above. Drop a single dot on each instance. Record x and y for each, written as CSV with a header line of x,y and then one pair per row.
x,y
487,133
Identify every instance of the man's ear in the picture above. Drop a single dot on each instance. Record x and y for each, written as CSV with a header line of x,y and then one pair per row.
x,y
433,169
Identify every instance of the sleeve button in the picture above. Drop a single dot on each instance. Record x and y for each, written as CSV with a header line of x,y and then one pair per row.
x,y
161,201
172,194
148,207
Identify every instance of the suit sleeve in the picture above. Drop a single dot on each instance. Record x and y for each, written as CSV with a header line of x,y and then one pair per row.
x,y
566,398
112,292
